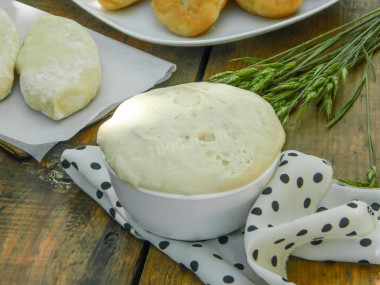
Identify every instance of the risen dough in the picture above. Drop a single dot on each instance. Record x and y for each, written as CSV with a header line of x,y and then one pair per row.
x,y
9,47
188,18
193,138
59,67
271,8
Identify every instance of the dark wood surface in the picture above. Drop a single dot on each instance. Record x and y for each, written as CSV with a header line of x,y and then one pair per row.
x,y
53,233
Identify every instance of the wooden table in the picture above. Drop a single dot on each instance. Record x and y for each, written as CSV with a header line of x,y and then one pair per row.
x,y
53,233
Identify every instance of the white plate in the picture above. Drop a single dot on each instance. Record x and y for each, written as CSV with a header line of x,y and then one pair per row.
x,y
233,24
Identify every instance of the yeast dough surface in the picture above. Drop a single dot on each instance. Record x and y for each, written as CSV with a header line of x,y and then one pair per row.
x,y
194,138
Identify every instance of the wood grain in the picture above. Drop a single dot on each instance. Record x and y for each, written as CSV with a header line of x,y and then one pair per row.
x,y
52,233
161,270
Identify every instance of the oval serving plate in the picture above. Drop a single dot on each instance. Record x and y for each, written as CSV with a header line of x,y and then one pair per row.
x,y
233,24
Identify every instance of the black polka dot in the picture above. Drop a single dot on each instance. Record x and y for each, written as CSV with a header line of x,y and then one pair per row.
x,y
274,261
196,245
306,203
363,261
284,178
344,222
256,211
228,279
194,265
80,147
270,226
95,166
292,154
65,164
217,256
282,156
99,194
299,182
352,205
316,242
353,233
279,240
282,163
105,185
285,280
275,206
365,242
252,228
375,206
127,226
318,177
370,211
163,244
326,228
239,266
113,212
302,232
255,254
289,245
321,209
267,191
223,239
75,165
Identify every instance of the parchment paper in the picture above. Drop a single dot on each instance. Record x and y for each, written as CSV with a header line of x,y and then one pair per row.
x,y
126,72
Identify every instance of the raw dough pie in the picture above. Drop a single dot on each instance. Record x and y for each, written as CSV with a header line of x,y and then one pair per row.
x,y
9,47
59,67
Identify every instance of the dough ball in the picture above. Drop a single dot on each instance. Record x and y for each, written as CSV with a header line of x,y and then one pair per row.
x,y
193,138
271,8
59,67
188,18
9,48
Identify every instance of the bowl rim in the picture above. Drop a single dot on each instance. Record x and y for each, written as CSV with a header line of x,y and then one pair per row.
x,y
172,196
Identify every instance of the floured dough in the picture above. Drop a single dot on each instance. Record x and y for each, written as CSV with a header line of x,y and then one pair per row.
x,y
9,47
193,138
59,67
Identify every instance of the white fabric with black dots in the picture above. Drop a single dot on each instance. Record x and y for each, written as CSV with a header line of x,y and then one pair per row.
x,y
302,212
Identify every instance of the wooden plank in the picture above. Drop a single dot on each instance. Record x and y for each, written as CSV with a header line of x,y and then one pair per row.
x,y
52,233
161,270
325,273
17,152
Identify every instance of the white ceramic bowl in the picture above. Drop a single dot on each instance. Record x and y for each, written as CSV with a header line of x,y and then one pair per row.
x,y
191,218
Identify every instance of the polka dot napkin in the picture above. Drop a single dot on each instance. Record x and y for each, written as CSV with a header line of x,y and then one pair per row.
x,y
302,212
